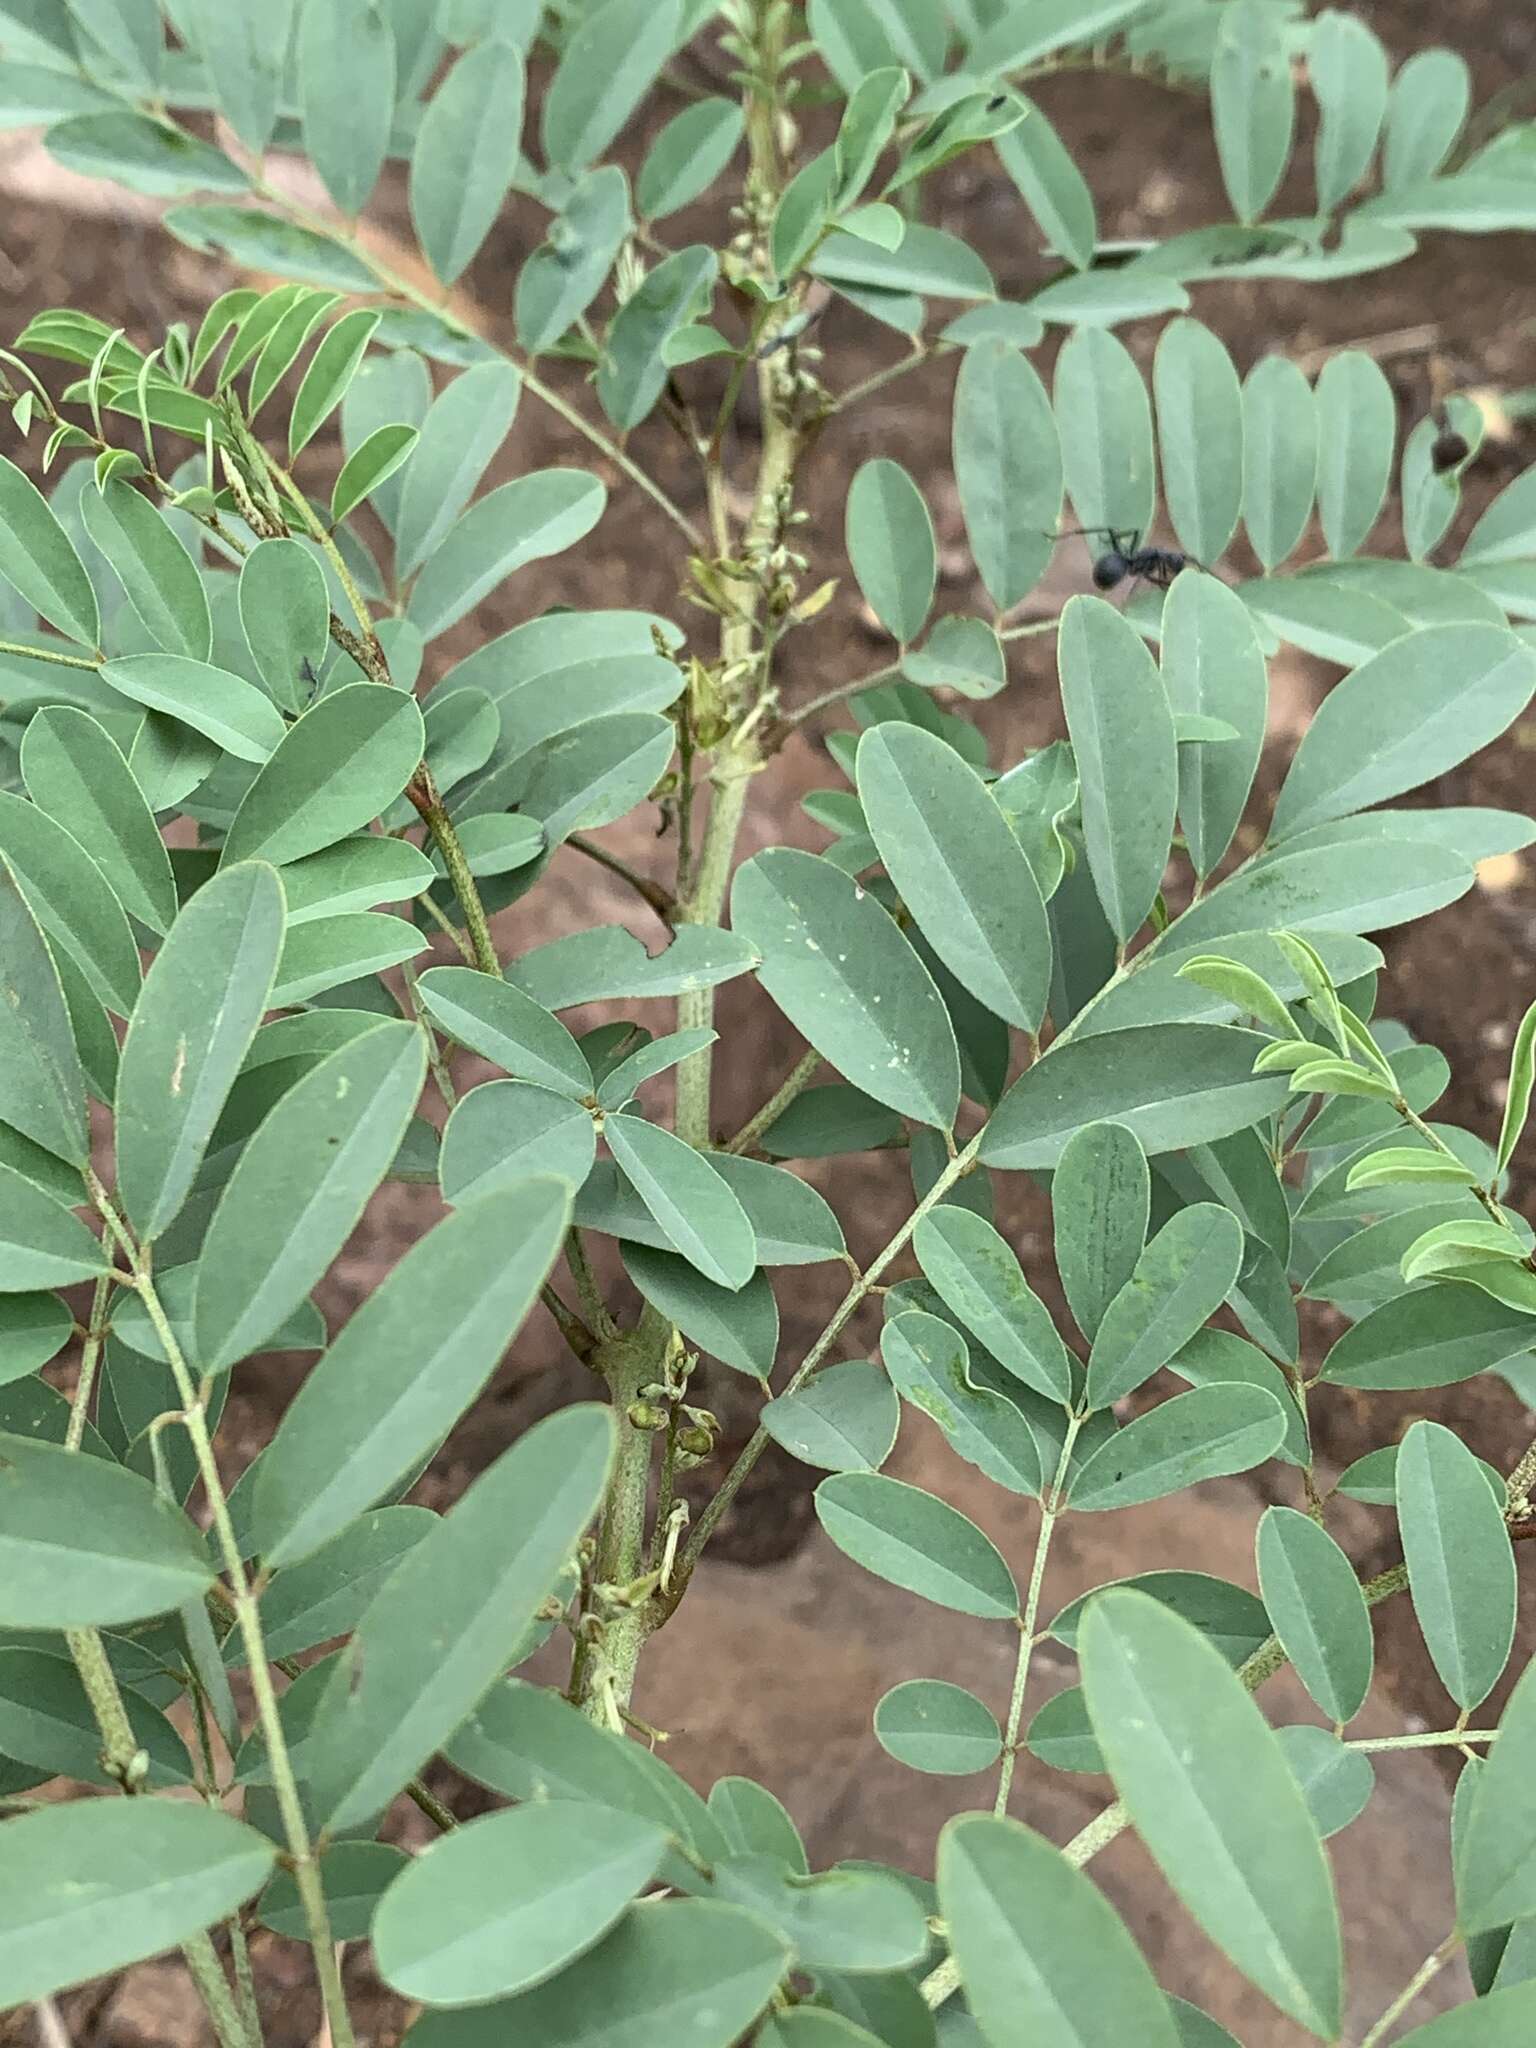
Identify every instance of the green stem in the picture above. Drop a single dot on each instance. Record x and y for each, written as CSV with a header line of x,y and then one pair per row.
x,y
248,1620
731,1485
705,904
213,1987
119,1745
441,826
611,449
245,1983
48,654
1438,1738
843,691
878,379
794,1084
1425,1974
1050,1511
608,1649
90,1355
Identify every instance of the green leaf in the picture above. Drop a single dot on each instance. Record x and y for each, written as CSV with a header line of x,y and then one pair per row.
x,y
843,973
460,435
1105,420
324,952
1359,886
1206,1434
1212,1796
42,1089
933,1726
1318,1611
1171,1086
1253,104
77,777
621,1083
1461,1567
188,1036
1038,1946
929,1364
844,1420
690,1201
929,261
85,1544
687,156
1495,1873
1007,468
225,708
46,1722
737,1325
42,1244
1200,436
427,1340
285,615
73,900
918,1542
466,154
676,1970
520,522
157,573
1425,111
635,365
1356,430
1227,1616
1412,712
143,154
1517,1103
331,369
345,55
337,768
979,1280
206,1865
1503,533
504,1131
300,1186
285,343
443,1625
564,275
507,1901
1017,35
892,548
34,1328
503,1025
1122,735
1347,70
959,869
853,1918
1214,667
1280,454
1101,1196
168,761
261,242
1336,1782
244,44
1503,2019
385,450
959,654
1430,1337
40,559
323,1597
591,97
1052,186
353,1876
1180,1280
607,960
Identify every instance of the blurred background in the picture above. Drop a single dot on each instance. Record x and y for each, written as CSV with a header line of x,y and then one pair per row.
x,y
778,1679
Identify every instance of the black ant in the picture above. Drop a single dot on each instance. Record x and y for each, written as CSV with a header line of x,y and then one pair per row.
x,y
1125,556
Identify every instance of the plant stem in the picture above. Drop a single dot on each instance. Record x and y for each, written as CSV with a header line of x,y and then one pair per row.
x,y
1050,1510
440,825
1029,630
48,654
843,691
878,379
730,1486
706,902
595,435
90,1354
1438,1738
794,1084
608,1650
660,900
1425,1974
248,1620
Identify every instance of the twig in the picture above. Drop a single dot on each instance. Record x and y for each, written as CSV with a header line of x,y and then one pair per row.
x,y
660,900
844,690
1425,1974
794,1084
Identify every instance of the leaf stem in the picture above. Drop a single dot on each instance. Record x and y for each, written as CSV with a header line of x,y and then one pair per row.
x,y
660,899
248,1620
843,691
423,794
1424,1975
878,379
608,1646
1050,1511
48,654
731,1485
794,1084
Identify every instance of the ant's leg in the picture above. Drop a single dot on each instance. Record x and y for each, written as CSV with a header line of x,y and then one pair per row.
x,y
1082,533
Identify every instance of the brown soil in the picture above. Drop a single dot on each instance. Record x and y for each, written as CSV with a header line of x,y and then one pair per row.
x,y
777,1677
